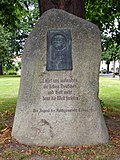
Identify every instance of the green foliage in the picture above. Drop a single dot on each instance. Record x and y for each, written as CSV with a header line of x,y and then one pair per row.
x,y
4,45
9,48
11,13
103,13
111,53
11,72
19,65
17,20
6,56
102,103
106,15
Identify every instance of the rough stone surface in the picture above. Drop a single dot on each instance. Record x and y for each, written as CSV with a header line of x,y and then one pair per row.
x,y
60,107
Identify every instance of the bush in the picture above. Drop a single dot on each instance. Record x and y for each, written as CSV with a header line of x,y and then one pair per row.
x,y
11,72
116,73
102,103
103,71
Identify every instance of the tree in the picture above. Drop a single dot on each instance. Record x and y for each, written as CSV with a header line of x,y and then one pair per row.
x,y
111,53
105,14
14,28
70,6
9,48
115,55
106,42
4,48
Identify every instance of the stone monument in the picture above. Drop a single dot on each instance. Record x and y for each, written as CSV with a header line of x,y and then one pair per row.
x,y
58,102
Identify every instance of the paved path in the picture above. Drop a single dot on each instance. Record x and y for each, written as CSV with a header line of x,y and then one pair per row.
x,y
109,76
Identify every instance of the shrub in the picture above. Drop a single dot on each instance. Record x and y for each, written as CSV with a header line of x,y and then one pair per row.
x,y
11,72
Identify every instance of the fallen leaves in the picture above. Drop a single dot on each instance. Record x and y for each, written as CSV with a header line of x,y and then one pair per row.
x,y
115,137
5,134
11,148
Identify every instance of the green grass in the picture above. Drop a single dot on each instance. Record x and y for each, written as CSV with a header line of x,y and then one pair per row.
x,y
13,154
8,91
110,93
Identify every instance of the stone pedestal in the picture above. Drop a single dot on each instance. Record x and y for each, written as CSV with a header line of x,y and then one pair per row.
x,y
58,102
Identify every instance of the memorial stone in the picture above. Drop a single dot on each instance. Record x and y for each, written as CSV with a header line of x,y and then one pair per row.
x,y
58,102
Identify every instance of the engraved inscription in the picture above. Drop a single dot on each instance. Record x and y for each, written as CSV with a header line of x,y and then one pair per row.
x,y
59,50
59,89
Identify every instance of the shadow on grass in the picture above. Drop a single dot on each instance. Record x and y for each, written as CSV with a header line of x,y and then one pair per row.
x,y
9,76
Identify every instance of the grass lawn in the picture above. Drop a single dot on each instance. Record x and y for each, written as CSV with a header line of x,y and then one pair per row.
x,y
110,93
8,91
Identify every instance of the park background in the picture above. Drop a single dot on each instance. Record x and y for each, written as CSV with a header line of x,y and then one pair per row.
x,y
17,20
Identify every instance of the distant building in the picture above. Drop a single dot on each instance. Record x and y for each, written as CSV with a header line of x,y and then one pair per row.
x,y
103,66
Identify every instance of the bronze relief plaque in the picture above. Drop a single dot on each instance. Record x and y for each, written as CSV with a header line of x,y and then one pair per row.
x,y
59,50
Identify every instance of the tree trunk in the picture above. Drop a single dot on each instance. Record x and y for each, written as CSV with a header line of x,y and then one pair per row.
x,y
39,5
75,7
119,68
1,69
113,68
108,63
